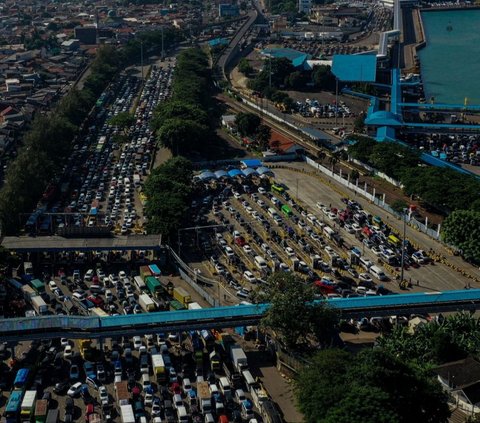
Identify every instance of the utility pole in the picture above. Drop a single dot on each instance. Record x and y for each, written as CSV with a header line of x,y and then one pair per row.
x,y
402,260
141,57
163,51
336,100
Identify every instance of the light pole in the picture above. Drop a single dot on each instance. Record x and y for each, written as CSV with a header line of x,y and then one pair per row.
x,y
141,57
336,100
402,260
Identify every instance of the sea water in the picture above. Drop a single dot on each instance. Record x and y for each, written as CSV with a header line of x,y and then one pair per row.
x,y
450,62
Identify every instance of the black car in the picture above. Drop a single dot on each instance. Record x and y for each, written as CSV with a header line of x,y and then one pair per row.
x,y
61,387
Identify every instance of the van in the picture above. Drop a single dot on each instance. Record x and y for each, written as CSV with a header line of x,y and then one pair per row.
x,y
328,231
260,263
139,283
249,380
365,263
88,275
377,272
182,414
271,211
225,388
209,418
144,364
145,381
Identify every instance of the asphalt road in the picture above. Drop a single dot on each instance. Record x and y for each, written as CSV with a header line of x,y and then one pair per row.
x,y
431,277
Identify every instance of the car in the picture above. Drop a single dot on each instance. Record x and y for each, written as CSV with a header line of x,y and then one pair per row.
x,y
68,351
75,389
290,252
101,374
64,342
156,407
229,252
137,342
103,395
52,285
365,277
247,249
60,387
89,369
74,372
262,190
249,276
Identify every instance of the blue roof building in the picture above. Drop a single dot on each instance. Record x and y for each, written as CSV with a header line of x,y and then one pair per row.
x,y
297,58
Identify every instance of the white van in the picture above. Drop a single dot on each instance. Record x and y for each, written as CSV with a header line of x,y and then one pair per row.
x,y
377,272
365,263
328,231
260,263
139,283
272,212
249,380
145,381
182,414
88,276
225,388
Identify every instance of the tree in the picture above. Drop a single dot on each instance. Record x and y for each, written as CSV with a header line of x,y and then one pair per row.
x,y
354,175
399,206
245,67
247,123
179,109
263,135
295,80
294,315
123,120
372,386
181,136
462,229
359,123
323,77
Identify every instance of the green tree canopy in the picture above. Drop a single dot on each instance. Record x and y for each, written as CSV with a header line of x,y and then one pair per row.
x,y
181,136
245,67
293,314
323,77
462,229
123,120
373,386
263,135
247,123
177,109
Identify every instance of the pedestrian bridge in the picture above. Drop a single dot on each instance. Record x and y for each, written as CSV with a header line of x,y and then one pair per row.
x,y
49,327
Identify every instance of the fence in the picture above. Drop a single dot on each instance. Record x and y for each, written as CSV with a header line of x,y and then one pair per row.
x,y
193,278
373,197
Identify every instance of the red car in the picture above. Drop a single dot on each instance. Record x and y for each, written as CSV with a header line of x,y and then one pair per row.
x,y
96,300
240,241
176,388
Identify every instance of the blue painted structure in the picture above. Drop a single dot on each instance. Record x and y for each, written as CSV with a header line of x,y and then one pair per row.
x,y
297,58
48,327
357,67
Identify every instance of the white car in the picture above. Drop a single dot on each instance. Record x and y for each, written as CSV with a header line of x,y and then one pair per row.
x,y
262,190
249,276
52,285
247,249
148,399
68,351
137,342
349,228
290,252
64,342
229,252
103,395
365,277
236,194
75,389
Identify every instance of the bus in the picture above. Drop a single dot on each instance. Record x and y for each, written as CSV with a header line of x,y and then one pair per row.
x,y
277,188
176,305
38,286
287,211
12,410
28,405
21,378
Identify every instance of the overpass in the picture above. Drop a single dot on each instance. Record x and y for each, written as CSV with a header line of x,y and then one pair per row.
x,y
55,244
49,327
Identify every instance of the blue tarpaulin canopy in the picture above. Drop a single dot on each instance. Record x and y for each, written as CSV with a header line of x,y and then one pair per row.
x,y
221,174
249,171
235,172
251,163
207,175
262,170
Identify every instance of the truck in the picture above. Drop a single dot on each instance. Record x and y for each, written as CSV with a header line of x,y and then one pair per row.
x,y
146,303
28,405
39,305
182,296
215,363
121,392
41,409
52,416
239,358
94,418
145,272
136,179
126,413
194,306
154,286
28,292
158,365
204,397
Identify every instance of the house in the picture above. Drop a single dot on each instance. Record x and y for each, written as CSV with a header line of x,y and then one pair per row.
x,y
461,379
229,122
281,145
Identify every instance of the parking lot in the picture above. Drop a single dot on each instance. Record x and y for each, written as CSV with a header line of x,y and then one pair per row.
x,y
259,224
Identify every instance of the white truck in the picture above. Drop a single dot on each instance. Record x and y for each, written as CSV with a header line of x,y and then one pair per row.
x,y
39,305
204,397
126,413
194,306
146,303
239,358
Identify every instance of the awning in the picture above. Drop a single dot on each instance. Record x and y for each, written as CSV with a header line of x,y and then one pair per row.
x,y
251,163
249,172
235,172
262,170
204,176
221,174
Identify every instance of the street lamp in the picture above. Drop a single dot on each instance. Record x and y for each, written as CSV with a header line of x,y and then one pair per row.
x,y
402,260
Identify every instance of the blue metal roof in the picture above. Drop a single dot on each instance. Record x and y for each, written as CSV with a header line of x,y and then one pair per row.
x,y
383,118
207,175
297,58
355,68
251,163
264,170
235,172
249,171
221,174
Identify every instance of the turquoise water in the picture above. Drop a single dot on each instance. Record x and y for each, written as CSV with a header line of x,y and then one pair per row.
x,y
450,62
